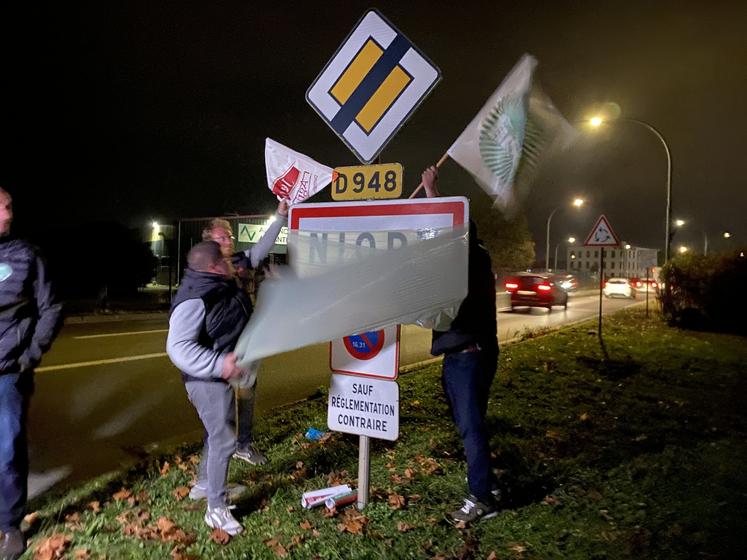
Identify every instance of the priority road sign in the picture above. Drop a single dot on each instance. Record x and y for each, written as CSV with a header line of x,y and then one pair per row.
x,y
602,234
372,85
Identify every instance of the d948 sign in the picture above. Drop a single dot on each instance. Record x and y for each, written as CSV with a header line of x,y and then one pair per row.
x,y
361,182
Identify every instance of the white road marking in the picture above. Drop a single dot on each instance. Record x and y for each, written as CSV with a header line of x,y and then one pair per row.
x,y
102,362
119,334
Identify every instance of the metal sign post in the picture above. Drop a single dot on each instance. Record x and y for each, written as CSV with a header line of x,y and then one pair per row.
x,y
601,235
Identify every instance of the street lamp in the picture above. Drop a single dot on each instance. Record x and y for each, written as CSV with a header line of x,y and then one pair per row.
x,y
597,121
727,235
570,240
682,249
577,203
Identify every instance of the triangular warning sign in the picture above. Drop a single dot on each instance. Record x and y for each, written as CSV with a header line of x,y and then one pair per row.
x,y
601,234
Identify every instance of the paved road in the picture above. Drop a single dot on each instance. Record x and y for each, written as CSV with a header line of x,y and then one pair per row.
x,y
106,393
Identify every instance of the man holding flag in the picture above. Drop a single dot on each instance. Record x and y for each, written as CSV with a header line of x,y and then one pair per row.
x,y
470,350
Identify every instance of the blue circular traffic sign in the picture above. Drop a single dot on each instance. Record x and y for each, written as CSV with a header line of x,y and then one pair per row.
x,y
364,346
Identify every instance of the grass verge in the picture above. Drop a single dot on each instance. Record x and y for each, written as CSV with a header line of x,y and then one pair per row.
x,y
640,456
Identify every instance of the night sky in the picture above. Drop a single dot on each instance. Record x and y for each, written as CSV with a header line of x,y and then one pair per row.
x,y
135,111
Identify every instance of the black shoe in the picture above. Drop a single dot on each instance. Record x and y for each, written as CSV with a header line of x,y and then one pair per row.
x,y
12,545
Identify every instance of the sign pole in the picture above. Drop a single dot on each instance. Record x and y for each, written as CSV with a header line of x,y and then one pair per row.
x,y
364,471
648,286
601,285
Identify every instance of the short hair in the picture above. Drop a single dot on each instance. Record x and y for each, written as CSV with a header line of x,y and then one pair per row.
x,y
207,233
204,254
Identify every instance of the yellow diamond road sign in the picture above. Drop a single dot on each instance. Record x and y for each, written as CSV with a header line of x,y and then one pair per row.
x,y
371,86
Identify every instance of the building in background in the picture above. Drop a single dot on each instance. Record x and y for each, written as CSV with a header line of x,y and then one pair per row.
x,y
622,261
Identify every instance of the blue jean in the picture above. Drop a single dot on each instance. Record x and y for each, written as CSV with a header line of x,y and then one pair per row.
x,y
466,379
15,393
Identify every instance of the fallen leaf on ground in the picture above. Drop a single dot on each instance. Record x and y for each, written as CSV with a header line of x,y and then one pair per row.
x,y
95,506
31,518
492,556
584,417
180,492
396,501
219,536
305,525
165,468
353,522
276,547
550,501
409,473
517,548
123,494
52,548
403,527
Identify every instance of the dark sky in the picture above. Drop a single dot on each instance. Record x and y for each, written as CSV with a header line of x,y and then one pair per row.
x,y
157,110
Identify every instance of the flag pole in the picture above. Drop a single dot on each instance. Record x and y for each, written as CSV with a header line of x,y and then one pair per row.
x,y
439,163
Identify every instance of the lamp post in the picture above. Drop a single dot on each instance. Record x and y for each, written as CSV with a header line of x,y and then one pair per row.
x,y
598,121
555,265
578,203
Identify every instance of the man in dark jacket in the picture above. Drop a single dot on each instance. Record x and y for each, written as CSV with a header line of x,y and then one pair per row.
x,y
470,349
207,316
29,320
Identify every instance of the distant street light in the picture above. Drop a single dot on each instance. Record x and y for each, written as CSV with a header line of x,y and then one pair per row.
x,y
682,249
597,121
679,223
570,240
727,235
578,202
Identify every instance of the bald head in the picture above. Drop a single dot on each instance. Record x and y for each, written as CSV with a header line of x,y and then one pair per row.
x,y
205,256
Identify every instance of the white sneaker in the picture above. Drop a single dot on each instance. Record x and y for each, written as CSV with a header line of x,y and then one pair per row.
x,y
221,518
234,492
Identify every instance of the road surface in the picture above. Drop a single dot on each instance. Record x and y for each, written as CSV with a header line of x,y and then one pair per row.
x,y
107,394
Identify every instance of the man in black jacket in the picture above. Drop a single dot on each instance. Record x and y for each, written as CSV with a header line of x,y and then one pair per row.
x,y
29,320
470,349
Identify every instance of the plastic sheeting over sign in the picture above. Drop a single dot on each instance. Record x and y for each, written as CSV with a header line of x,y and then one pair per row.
x,y
340,286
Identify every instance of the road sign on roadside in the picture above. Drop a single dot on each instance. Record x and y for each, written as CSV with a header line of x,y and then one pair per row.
x,y
361,182
370,354
365,407
372,85
602,234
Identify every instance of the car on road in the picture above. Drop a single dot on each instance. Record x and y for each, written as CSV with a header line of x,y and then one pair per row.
x,y
618,287
566,281
535,290
641,285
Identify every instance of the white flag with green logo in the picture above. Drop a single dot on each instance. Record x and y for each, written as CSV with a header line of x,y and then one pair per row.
x,y
503,145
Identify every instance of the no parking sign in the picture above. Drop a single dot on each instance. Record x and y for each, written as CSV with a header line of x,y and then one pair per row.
x,y
370,354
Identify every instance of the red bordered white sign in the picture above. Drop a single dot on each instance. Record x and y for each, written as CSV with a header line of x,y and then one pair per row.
x,y
602,234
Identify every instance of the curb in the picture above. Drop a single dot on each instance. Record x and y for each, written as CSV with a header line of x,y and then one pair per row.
x,y
113,317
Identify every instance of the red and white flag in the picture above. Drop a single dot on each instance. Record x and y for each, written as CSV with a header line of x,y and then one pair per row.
x,y
292,175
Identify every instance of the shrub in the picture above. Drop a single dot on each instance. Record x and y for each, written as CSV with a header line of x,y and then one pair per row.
x,y
706,292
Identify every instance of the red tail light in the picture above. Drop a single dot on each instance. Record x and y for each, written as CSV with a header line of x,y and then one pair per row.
x,y
637,284
544,287
510,286
653,284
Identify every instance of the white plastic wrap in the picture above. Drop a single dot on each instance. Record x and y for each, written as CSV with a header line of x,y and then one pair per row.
x,y
356,288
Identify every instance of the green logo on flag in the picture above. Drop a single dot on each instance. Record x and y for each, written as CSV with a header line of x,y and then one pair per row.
x,y
501,137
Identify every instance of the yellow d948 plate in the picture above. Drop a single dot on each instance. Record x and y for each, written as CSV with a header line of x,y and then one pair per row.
x,y
363,182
